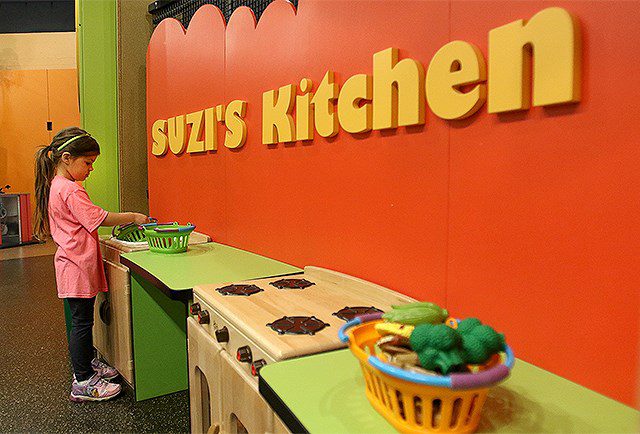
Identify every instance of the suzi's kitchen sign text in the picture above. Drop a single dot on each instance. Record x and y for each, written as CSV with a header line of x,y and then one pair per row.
x,y
455,86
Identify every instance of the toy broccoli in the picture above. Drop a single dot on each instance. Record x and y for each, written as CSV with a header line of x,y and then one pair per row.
x,y
438,347
479,342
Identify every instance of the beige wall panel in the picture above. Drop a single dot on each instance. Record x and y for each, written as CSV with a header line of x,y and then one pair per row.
x,y
24,51
134,32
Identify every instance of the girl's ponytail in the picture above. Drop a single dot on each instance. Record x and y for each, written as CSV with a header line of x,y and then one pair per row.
x,y
77,142
44,174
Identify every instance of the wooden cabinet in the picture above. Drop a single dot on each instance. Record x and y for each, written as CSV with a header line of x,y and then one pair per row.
x,y
278,426
223,398
244,410
204,379
112,321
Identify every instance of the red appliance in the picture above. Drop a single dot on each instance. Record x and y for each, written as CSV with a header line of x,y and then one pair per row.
x,y
15,220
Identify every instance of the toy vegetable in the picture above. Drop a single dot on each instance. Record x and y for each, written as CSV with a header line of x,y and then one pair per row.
x,y
438,347
479,342
416,313
393,328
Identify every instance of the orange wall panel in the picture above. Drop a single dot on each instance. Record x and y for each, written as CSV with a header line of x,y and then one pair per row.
x,y
23,117
64,109
524,219
29,99
544,207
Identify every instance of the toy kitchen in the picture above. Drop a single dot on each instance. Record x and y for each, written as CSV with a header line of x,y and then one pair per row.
x,y
237,328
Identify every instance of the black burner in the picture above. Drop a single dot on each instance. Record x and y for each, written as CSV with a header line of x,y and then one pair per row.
x,y
292,283
246,290
348,313
298,325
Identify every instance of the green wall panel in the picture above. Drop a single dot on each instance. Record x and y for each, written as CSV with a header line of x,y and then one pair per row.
x,y
97,59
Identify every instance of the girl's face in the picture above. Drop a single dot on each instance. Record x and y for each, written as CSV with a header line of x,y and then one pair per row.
x,y
79,167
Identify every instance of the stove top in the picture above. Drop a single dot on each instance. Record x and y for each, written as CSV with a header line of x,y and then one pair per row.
x,y
298,325
300,321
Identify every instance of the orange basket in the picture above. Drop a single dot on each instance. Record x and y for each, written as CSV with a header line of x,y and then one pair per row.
x,y
415,402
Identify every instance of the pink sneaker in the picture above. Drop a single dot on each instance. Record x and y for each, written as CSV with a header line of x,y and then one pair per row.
x,y
103,370
94,389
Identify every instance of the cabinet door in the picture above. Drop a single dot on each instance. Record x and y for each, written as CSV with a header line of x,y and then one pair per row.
x,y
278,426
109,253
205,391
120,292
243,408
112,321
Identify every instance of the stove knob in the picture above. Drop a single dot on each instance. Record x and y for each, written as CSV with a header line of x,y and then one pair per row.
x,y
256,366
203,317
222,335
194,308
244,354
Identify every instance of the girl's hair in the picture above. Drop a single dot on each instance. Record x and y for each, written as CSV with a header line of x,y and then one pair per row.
x,y
76,142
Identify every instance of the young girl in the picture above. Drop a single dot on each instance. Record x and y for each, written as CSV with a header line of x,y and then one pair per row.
x,y
64,210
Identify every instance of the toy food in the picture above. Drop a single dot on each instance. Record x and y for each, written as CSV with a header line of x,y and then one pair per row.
x,y
438,347
394,328
396,349
416,313
479,342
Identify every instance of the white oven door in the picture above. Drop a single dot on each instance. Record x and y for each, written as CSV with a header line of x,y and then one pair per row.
x,y
205,391
243,408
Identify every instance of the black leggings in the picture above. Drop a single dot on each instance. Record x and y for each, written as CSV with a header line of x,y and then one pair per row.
x,y
81,336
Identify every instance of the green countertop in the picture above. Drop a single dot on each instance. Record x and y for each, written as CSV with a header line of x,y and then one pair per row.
x,y
325,392
204,263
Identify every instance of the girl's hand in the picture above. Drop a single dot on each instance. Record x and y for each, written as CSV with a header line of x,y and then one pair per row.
x,y
139,218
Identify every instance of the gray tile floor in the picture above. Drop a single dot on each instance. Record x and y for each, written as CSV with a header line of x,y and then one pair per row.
x,y
35,373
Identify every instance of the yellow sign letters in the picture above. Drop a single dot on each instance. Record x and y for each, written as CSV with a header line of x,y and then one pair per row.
x,y
455,86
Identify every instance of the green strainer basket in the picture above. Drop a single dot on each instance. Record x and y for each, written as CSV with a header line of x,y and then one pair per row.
x,y
168,238
131,232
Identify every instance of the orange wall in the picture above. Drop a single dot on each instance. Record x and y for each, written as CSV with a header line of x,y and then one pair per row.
x,y
28,99
527,220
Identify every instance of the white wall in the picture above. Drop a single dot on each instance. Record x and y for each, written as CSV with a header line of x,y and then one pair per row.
x,y
29,51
